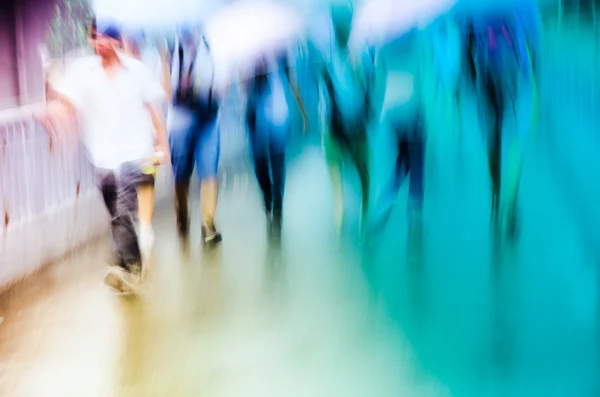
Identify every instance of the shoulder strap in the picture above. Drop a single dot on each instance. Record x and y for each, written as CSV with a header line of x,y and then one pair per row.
x,y
212,78
180,54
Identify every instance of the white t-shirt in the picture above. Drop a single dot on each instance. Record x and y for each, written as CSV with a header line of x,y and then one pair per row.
x,y
116,125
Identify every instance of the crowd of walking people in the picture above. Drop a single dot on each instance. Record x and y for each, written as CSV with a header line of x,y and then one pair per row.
x,y
139,107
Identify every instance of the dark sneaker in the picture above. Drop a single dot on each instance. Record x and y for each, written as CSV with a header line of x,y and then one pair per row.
x,y
183,225
268,208
275,228
513,227
210,235
122,281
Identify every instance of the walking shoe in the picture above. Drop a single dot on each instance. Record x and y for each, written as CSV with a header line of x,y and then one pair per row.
x,y
210,235
275,228
183,225
513,228
122,281
268,207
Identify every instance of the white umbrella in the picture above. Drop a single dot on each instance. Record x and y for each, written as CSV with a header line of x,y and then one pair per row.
x,y
242,32
380,21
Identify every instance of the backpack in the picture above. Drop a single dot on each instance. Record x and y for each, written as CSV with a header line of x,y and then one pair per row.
x,y
495,42
497,53
267,98
190,97
348,92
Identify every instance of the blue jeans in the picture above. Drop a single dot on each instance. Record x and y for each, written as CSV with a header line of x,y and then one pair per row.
x,y
410,161
268,144
197,143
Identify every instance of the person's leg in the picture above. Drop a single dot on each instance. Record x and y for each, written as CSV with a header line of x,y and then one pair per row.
x,y
126,218
145,214
107,183
333,153
416,159
360,157
181,141
261,167
512,178
277,148
208,149
495,146
397,173
414,156
127,276
278,171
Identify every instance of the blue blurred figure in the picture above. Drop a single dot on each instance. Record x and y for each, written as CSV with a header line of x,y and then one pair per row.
x,y
346,81
194,129
498,44
268,119
401,68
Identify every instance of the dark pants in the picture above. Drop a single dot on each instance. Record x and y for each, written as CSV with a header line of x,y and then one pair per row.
x,y
269,165
411,158
496,101
120,192
356,149
410,162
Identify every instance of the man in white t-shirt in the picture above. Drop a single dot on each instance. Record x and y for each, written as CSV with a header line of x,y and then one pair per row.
x,y
116,102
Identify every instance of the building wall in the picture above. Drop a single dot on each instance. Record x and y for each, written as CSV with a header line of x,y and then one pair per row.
x,y
49,202
9,86
33,18
24,27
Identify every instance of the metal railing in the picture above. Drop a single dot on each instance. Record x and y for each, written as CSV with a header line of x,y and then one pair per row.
x,y
49,202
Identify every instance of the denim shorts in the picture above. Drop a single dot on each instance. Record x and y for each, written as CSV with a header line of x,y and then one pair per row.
x,y
196,142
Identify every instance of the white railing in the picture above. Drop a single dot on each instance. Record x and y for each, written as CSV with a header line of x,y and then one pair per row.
x,y
49,203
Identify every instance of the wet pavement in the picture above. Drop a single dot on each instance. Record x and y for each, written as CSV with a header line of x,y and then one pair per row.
x,y
239,320
316,317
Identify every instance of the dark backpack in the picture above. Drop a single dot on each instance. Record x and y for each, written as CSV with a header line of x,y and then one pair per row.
x,y
187,96
259,84
343,124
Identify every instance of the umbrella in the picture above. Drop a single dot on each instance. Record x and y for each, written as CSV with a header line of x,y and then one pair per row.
x,y
241,33
378,22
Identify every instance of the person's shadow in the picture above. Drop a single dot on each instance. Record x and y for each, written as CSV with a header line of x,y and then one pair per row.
x,y
502,332
274,266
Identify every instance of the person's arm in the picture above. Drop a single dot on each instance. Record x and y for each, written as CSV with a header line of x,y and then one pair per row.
x,y
58,111
377,86
153,94
165,62
293,81
158,121
63,109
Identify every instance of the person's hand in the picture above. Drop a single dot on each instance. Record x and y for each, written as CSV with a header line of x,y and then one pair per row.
x,y
161,155
47,119
55,118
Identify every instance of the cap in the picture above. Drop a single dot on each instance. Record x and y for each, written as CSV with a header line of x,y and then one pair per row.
x,y
109,29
